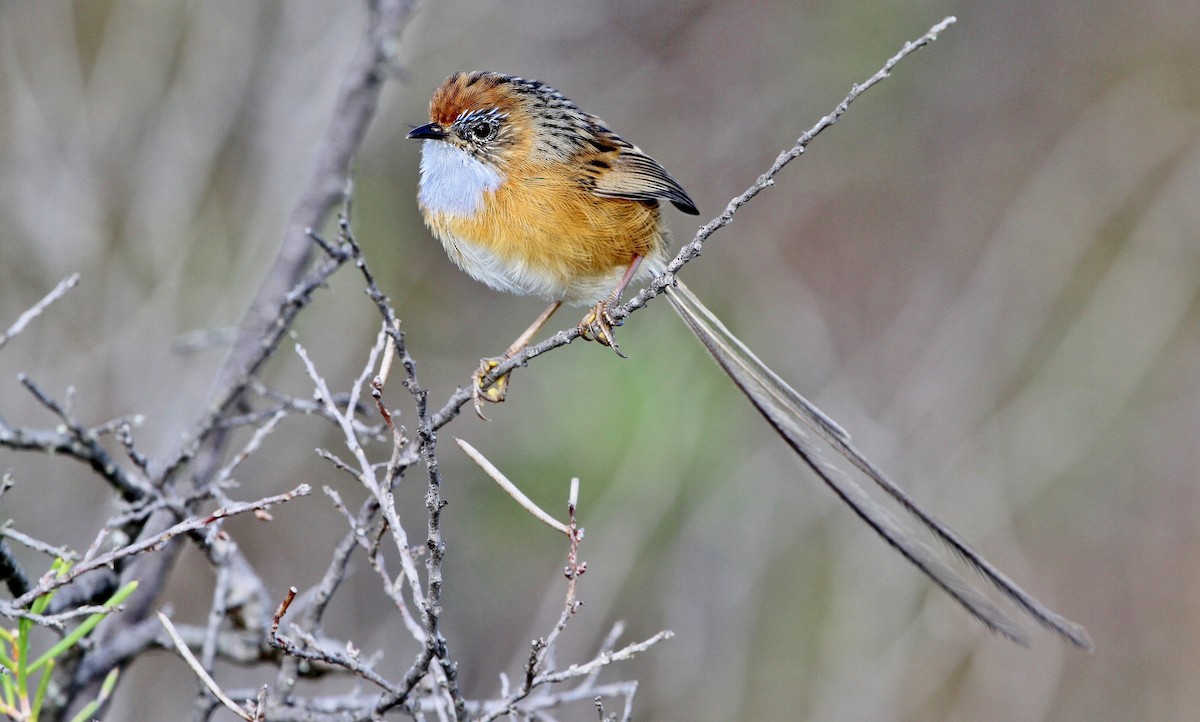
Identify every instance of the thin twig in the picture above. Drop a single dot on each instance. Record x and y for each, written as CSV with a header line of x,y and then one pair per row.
x,y
52,582
208,648
34,311
199,670
77,442
314,652
692,250
582,670
20,537
251,446
586,670
510,488
125,436
59,620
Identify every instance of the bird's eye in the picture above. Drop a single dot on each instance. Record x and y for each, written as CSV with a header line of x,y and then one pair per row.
x,y
483,130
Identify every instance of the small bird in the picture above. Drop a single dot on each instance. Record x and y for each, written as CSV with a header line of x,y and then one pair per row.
x,y
533,196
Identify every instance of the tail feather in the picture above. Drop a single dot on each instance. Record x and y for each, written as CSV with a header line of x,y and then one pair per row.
x,y
789,413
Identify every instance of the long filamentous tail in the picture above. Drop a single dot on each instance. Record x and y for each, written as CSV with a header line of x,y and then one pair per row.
x,y
793,416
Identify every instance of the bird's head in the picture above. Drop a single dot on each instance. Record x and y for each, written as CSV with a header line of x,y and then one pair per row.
x,y
501,119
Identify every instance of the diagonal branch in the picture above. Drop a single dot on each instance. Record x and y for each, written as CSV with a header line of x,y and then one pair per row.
x,y
51,582
36,310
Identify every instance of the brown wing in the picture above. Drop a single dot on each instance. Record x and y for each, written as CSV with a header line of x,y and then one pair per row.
x,y
624,171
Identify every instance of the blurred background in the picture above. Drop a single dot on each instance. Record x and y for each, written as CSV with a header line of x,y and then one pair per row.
x,y
988,272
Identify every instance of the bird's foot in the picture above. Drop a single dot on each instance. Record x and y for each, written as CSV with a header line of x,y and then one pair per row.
x,y
597,325
494,392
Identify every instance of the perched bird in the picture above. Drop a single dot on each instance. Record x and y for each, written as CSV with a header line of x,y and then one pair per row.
x,y
533,196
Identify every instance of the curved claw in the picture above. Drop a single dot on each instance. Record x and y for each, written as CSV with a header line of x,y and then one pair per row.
x,y
495,392
597,325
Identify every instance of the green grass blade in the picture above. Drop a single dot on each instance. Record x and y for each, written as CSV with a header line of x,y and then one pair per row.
x,y
83,629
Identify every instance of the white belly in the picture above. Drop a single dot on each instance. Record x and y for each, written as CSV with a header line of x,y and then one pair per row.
x,y
524,280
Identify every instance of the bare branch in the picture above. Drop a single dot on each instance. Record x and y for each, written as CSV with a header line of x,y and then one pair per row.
x,y
314,652
76,442
603,660
692,249
251,446
38,545
36,310
183,527
200,672
511,488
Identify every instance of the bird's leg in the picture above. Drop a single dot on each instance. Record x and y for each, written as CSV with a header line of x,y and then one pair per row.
x,y
495,391
597,325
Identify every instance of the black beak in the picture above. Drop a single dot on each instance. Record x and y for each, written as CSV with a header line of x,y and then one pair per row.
x,y
429,131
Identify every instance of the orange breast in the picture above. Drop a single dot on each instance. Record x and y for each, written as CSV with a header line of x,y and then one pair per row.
x,y
546,235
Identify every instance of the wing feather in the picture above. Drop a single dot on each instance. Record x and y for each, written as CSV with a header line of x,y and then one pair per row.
x,y
633,175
